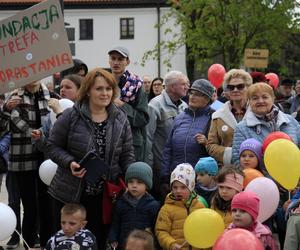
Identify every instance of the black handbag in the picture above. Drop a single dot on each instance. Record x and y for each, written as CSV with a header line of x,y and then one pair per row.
x,y
95,167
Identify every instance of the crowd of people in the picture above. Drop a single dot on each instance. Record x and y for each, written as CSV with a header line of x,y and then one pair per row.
x,y
170,146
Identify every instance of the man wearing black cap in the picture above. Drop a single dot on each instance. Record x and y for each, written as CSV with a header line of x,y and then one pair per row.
x,y
133,99
284,95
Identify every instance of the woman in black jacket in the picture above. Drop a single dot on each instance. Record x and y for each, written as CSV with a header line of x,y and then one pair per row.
x,y
94,124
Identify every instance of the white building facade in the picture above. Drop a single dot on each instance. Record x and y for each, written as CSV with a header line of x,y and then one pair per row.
x,y
94,30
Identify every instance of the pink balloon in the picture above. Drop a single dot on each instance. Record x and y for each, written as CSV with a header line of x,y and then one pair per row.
x,y
238,238
268,194
273,79
216,74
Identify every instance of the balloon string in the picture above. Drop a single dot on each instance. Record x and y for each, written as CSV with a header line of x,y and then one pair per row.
x,y
22,239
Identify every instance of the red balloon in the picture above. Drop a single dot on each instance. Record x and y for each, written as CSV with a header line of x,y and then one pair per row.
x,y
216,74
237,238
273,79
274,136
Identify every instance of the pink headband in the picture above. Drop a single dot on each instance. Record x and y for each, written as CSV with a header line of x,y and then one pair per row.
x,y
234,181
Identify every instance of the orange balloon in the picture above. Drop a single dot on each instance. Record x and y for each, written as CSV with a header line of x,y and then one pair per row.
x,y
251,174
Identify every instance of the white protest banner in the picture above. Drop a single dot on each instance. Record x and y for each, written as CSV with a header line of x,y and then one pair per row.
x,y
33,45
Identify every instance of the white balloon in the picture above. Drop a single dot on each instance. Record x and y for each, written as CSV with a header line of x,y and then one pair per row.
x,y
47,171
8,221
268,194
64,104
52,117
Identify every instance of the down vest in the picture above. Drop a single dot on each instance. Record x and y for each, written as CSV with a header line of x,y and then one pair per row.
x,y
182,145
72,137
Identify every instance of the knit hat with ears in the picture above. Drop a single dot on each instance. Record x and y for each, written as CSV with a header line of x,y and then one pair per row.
x,y
185,174
141,171
247,201
253,145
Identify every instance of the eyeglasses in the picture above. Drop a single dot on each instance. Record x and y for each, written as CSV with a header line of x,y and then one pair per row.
x,y
240,86
157,84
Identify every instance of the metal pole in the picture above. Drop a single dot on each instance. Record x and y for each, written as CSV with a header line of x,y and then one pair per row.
x,y
158,40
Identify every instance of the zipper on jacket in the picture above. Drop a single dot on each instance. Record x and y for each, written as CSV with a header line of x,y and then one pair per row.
x,y
187,135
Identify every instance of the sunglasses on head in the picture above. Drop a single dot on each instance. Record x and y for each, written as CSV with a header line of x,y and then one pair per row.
x,y
240,86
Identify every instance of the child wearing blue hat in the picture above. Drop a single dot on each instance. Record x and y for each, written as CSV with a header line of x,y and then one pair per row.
x,y
206,169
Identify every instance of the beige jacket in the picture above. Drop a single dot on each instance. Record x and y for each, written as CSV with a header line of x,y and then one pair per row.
x,y
221,134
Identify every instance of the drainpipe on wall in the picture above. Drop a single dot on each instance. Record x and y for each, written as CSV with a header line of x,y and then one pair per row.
x,y
158,39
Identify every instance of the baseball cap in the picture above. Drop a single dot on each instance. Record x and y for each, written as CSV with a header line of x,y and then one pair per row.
x,y
121,50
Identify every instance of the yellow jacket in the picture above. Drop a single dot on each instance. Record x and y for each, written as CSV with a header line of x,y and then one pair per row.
x,y
170,220
226,216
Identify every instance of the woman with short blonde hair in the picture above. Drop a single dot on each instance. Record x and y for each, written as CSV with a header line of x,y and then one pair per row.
x,y
225,119
262,118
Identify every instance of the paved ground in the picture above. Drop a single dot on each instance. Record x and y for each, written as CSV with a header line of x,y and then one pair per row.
x,y
3,198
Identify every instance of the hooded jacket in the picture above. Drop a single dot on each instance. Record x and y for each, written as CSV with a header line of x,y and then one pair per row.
x,y
252,127
170,221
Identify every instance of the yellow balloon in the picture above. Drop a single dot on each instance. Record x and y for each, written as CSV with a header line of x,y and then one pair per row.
x,y
282,160
203,227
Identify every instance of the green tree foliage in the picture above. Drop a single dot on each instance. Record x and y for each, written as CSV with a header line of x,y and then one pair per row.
x,y
220,30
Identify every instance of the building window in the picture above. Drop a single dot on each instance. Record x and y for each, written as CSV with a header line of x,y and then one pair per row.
x,y
86,29
71,38
126,28
71,34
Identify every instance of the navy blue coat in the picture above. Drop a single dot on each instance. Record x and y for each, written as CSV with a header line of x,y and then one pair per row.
x,y
182,146
127,216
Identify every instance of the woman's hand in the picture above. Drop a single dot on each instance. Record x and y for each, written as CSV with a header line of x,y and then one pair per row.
x,y
36,134
200,138
13,102
77,170
55,106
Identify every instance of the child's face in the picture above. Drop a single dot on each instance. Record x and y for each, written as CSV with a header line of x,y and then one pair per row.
x,y
226,193
135,244
72,223
241,218
248,159
204,179
136,188
180,191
